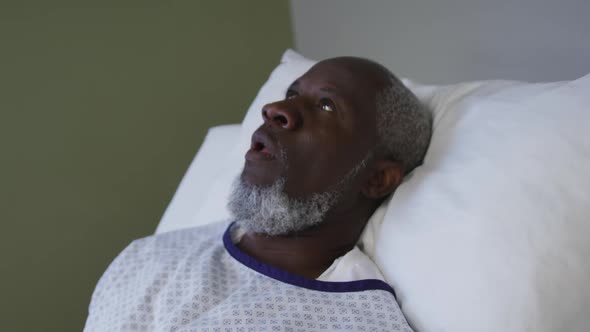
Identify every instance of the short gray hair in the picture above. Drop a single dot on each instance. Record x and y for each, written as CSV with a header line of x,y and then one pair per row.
x,y
404,125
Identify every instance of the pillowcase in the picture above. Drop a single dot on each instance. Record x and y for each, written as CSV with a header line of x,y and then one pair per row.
x,y
491,233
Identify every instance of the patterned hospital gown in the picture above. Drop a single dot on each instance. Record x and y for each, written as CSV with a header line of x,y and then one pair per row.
x,y
199,280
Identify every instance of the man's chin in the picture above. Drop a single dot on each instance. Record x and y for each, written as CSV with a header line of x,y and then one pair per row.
x,y
257,179
268,210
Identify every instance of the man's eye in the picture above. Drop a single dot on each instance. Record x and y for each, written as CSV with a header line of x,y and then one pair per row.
x,y
290,94
326,105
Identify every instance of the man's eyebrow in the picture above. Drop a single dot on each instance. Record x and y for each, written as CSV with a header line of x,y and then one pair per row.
x,y
329,89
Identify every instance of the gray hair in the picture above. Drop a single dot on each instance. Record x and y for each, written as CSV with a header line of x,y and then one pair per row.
x,y
404,125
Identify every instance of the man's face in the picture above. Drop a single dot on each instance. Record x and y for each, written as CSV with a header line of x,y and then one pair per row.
x,y
314,137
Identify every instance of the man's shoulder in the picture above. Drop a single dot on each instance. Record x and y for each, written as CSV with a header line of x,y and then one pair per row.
x,y
160,251
186,237
148,265
165,248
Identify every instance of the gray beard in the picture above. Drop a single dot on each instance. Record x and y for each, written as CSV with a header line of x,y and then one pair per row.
x,y
268,210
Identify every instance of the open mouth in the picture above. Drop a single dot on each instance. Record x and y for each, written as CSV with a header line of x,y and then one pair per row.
x,y
262,147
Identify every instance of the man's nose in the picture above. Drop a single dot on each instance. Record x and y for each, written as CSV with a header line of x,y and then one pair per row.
x,y
279,115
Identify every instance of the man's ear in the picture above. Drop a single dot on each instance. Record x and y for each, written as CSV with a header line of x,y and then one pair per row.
x,y
385,177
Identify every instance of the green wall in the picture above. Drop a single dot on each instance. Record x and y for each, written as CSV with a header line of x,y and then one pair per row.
x,y
102,107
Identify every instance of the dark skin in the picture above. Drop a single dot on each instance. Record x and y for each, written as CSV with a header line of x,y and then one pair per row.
x,y
325,125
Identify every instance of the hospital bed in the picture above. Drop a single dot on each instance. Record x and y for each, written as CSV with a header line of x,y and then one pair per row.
x,y
490,234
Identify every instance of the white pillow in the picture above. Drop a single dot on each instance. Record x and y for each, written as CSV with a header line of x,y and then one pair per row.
x,y
492,232
199,179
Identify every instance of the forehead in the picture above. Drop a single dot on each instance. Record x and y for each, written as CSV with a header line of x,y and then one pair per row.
x,y
355,83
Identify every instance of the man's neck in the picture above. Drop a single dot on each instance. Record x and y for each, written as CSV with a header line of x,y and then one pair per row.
x,y
310,252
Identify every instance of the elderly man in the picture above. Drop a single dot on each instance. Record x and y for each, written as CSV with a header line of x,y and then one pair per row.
x,y
326,156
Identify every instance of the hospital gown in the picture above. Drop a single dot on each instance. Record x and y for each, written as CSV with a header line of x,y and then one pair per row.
x,y
199,280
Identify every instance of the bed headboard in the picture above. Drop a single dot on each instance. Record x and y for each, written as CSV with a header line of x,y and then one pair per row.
x,y
449,41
